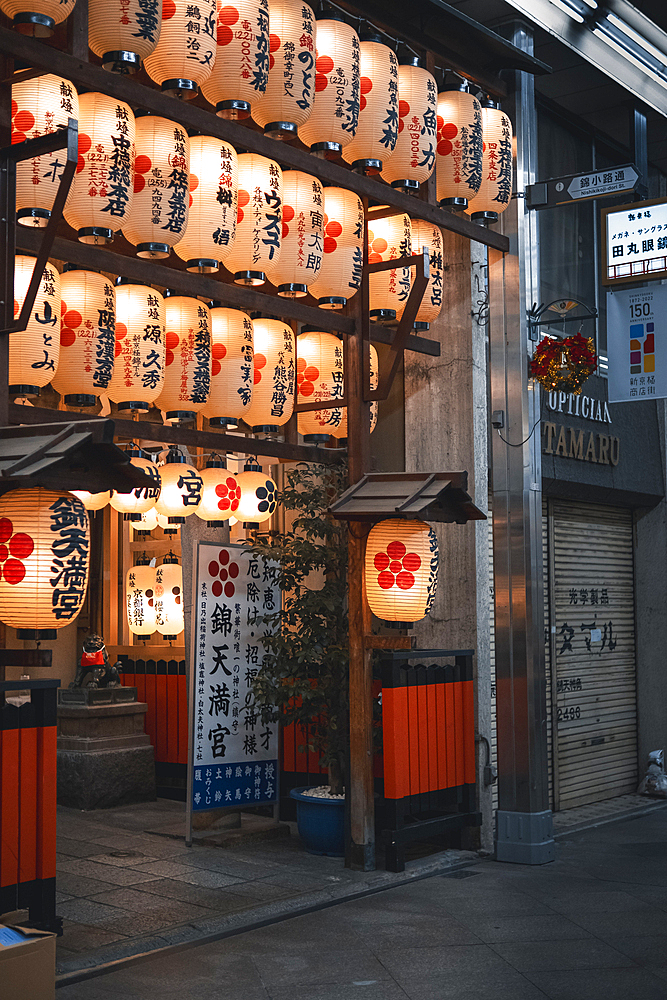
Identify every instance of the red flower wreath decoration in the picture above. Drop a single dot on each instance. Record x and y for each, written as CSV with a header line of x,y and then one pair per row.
x,y
564,364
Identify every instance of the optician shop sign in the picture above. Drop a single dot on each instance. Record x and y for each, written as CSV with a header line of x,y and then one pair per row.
x,y
634,242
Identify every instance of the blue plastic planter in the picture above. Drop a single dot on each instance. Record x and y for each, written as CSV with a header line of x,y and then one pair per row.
x,y
321,823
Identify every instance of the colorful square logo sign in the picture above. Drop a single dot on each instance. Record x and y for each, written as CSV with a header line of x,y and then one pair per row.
x,y
637,343
642,332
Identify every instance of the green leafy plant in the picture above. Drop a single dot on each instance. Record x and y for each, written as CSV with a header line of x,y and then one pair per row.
x,y
304,675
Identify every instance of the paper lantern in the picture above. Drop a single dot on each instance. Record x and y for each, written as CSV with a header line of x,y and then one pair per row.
x,y
123,32
302,244
413,159
377,130
138,374
187,379
92,501
459,148
100,199
184,56
140,598
39,107
181,488
274,375
259,219
167,527
335,114
161,199
34,352
40,18
87,336
211,229
44,560
146,523
241,70
258,495
169,598
290,89
343,259
319,376
426,236
340,429
142,498
495,191
231,366
401,570
220,499
389,290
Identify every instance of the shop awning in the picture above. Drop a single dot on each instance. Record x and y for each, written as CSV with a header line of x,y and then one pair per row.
x,y
435,496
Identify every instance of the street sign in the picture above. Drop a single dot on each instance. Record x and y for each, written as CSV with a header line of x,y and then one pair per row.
x,y
634,242
583,187
637,343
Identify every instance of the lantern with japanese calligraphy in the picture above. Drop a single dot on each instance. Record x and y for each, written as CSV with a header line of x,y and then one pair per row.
x,y
34,352
413,159
377,130
258,495
220,499
169,598
44,560
495,190
141,498
343,258
100,199
138,374
184,56
231,366
459,147
160,206
93,501
301,248
41,17
319,376
140,598
39,107
290,89
259,220
241,69
426,236
87,342
181,488
389,290
401,570
123,32
211,225
274,375
187,379
333,121
147,522
340,430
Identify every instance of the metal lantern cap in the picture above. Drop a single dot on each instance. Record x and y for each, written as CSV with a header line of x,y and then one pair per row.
x,y
175,456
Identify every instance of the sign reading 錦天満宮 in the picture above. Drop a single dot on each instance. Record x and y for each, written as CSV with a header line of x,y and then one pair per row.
x,y
636,332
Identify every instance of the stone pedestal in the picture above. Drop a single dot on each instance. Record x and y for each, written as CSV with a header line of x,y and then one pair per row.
x,y
104,756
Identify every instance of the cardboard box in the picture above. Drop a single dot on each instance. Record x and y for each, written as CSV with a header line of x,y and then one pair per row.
x,y
27,963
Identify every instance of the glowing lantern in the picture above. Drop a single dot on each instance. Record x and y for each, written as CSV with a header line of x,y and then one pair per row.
x,y
41,17
413,159
184,56
181,488
92,501
401,570
164,523
343,259
340,429
39,106
221,495
140,598
142,498
302,235
377,131
211,228
274,375
147,522
319,376
231,366
335,115
187,379
87,341
426,236
389,290
160,206
33,352
259,220
495,190
138,374
291,85
169,598
258,495
459,148
241,69
44,560
100,199
122,33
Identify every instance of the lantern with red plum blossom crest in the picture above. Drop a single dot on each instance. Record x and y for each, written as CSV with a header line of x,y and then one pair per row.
x,y
138,375
291,85
231,366
459,148
301,247
343,258
401,570
389,239
413,159
211,228
220,499
187,380
377,130
87,336
334,118
258,221
274,375
241,71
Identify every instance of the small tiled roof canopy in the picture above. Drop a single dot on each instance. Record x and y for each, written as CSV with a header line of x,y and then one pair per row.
x,y
436,496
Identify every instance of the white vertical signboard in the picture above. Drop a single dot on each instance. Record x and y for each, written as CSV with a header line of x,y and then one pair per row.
x,y
637,343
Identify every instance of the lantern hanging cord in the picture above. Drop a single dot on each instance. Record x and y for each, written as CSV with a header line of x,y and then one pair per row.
x,y
519,445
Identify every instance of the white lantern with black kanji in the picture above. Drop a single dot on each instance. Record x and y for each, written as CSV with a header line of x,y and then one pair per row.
x,y
93,501
401,570
426,236
334,118
142,498
87,336
211,229
413,159
147,522
274,375
140,598
495,191
169,620
160,205
181,488
340,430
123,32
459,148
138,375
184,56
389,239
41,17
259,220
258,496
377,130
44,560
222,493
342,263
187,380
232,370
319,377
290,90
34,352
302,247
241,71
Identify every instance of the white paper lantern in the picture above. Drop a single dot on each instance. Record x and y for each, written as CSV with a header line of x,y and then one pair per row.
x,y
342,264
140,598
211,229
258,495
426,236
413,159
141,498
222,493
302,248
334,118
40,18
495,191
181,488
146,523
34,352
377,130
138,375
319,377
401,570
187,381
87,336
92,501
459,148
232,371
274,375
259,220
169,620
389,239
241,70
184,56
123,32
290,90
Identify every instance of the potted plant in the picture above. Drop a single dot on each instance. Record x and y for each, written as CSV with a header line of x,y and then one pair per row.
x,y
304,675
